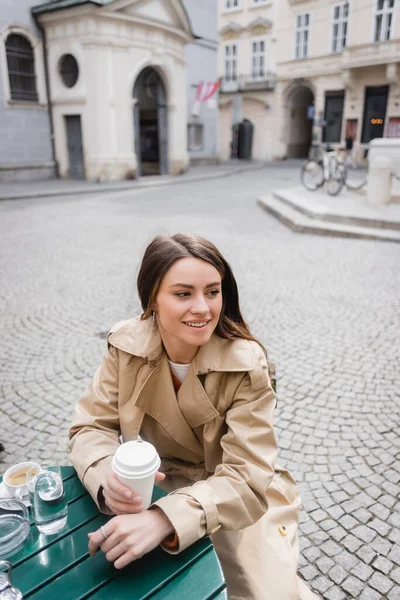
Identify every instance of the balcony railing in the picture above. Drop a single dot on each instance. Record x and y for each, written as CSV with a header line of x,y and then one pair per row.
x,y
248,83
374,53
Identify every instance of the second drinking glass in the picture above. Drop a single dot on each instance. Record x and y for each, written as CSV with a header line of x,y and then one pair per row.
x,y
47,498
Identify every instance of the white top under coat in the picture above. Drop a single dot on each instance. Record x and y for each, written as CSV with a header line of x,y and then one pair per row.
x,y
179,370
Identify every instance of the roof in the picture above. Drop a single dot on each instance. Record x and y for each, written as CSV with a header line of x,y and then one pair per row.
x,y
60,4
54,5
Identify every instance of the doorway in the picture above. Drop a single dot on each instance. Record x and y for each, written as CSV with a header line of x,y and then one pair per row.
x,y
150,123
75,147
300,123
374,113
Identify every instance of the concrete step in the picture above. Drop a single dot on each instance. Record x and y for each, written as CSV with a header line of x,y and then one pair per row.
x,y
309,203
298,221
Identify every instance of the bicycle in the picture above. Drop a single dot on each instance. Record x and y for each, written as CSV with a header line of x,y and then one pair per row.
x,y
353,181
327,168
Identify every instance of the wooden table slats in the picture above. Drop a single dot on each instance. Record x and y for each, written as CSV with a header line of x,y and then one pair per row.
x,y
60,565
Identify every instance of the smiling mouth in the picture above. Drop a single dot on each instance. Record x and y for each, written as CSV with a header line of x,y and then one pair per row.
x,y
198,325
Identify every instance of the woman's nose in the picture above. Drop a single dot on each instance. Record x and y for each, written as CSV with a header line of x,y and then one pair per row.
x,y
199,305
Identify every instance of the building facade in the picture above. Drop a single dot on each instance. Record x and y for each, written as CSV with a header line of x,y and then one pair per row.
x,y
117,72
338,73
25,146
103,89
201,57
247,68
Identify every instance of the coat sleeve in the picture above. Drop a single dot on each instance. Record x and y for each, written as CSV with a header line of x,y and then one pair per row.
x,y
234,497
95,429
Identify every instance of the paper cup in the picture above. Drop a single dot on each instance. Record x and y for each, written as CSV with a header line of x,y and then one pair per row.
x,y
135,465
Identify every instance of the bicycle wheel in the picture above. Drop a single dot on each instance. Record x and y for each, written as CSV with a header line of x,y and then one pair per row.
x,y
336,181
355,178
312,175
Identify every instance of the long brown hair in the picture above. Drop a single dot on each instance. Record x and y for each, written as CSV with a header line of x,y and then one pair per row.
x,y
163,251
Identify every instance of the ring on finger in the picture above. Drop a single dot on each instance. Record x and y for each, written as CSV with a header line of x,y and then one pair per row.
x,y
106,536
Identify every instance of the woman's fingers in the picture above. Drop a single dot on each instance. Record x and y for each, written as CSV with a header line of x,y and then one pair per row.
x,y
121,508
116,551
125,559
117,487
159,476
134,499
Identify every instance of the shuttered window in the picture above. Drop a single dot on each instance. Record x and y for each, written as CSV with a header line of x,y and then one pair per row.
x,y
21,68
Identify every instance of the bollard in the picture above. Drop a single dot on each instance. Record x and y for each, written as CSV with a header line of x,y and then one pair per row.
x,y
379,180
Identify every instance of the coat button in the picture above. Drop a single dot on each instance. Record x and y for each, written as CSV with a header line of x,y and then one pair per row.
x,y
282,530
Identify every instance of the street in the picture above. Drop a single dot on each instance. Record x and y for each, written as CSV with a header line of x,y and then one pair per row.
x,y
327,309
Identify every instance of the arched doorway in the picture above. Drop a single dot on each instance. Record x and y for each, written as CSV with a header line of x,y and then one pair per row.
x,y
150,123
300,125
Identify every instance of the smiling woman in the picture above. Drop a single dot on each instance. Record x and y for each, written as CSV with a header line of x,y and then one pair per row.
x,y
189,377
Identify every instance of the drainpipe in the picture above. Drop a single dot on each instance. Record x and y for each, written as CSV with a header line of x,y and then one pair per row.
x,y
49,102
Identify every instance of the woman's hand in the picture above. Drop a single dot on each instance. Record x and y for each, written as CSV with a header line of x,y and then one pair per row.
x,y
119,498
129,537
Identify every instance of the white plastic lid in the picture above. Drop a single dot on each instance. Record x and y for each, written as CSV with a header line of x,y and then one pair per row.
x,y
136,459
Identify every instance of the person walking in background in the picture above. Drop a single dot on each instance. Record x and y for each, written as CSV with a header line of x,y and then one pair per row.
x,y
190,378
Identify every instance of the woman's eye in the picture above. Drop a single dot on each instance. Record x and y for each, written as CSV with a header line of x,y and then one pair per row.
x,y
214,293
182,294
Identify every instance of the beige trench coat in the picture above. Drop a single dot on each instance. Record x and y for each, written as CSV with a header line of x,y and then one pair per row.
x,y
218,450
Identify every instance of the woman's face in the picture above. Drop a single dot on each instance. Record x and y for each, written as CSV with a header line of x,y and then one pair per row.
x,y
188,306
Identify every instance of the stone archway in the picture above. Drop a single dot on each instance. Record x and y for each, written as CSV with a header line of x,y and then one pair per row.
x,y
150,123
300,126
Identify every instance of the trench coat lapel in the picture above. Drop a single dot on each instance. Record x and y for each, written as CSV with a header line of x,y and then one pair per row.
x,y
194,402
157,398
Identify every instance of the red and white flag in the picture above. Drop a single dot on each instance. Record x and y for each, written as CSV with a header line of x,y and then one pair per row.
x,y
206,90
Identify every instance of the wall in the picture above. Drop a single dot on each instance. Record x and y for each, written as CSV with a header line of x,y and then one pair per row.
x,y
363,63
25,151
111,53
201,57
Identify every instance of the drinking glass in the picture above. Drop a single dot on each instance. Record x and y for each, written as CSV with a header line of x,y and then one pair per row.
x,y
47,497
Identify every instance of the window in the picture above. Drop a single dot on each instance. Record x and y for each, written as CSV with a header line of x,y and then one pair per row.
x,y
195,136
231,62
383,20
69,70
231,4
340,24
334,102
302,35
258,59
21,68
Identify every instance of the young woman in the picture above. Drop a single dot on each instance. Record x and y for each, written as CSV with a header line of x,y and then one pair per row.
x,y
189,377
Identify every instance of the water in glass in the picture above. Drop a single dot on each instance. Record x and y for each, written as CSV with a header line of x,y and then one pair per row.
x,y
48,501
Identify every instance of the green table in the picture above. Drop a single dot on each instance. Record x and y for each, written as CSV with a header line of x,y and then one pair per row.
x,y
59,566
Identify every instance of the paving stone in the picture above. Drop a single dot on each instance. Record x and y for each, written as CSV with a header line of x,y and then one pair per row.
x,y
395,575
394,593
337,419
394,554
352,585
370,594
380,583
334,593
362,571
309,572
364,533
338,574
321,584
383,565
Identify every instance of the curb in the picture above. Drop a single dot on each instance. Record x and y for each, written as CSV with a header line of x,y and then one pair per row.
x,y
136,186
301,223
282,196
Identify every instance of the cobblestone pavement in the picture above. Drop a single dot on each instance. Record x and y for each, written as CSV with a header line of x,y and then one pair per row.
x,y
328,310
